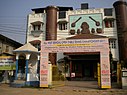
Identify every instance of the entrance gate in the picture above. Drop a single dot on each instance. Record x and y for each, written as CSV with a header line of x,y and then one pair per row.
x,y
81,45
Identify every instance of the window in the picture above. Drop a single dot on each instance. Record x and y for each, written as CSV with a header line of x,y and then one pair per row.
x,y
7,49
109,23
62,14
36,27
112,44
108,12
84,6
63,26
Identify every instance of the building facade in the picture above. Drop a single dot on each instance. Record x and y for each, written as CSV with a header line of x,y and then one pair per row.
x,y
7,45
56,23
7,56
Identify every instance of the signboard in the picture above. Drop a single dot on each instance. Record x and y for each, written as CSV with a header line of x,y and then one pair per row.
x,y
83,45
7,63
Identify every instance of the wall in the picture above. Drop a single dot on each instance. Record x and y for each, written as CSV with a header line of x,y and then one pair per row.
x,y
4,48
33,18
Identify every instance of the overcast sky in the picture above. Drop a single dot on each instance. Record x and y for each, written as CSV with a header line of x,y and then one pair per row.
x,y
13,13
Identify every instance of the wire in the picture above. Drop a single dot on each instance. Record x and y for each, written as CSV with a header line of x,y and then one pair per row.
x,y
15,17
3,31
14,25
11,27
8,29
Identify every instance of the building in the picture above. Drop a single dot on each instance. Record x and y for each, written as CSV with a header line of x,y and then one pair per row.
x,y
65,23
7,56
7,46
106,18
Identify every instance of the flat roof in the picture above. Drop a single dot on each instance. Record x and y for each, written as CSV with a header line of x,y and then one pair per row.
x,y
60,8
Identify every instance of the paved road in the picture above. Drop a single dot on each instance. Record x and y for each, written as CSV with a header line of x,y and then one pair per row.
x,y
68,88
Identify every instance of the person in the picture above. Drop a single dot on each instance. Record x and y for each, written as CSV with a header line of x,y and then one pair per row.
x,y
5,75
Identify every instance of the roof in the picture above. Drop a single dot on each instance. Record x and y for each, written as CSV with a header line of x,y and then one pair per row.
x,y
105,19
37,23
35,42
26,48
38,10
60,8
10,41
62,21
86,36
64,8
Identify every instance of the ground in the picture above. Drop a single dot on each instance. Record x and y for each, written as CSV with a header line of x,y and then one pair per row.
x,y
69,88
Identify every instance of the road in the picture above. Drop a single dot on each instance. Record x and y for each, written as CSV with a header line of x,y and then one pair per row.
x,y
64,88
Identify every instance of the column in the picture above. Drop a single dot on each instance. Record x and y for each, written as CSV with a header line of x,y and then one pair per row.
x,y
38,67
26,68
27,58
16,72
49,74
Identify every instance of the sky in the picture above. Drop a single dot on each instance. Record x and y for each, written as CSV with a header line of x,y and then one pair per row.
x,y
13,13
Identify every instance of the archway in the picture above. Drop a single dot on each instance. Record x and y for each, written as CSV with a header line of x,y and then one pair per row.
x,y
100,45
21,66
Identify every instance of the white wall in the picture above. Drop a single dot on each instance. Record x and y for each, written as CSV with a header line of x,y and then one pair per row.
x,y
33,18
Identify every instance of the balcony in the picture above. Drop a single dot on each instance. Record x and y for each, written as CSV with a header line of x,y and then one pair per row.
x,y
36,33
36,29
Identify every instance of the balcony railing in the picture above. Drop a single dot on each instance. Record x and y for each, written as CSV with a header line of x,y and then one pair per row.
x,y
36,33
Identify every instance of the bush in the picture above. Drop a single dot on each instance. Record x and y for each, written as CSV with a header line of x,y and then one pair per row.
x,y
56,74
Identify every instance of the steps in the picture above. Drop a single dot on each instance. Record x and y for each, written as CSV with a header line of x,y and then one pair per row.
x,y
18,83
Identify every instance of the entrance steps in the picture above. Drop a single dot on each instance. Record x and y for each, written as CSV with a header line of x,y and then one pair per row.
x,y
18,83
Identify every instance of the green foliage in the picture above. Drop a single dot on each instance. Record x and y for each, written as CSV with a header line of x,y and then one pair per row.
x,y
56,74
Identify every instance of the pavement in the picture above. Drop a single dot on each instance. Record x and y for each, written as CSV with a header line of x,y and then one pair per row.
x,y
63,88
